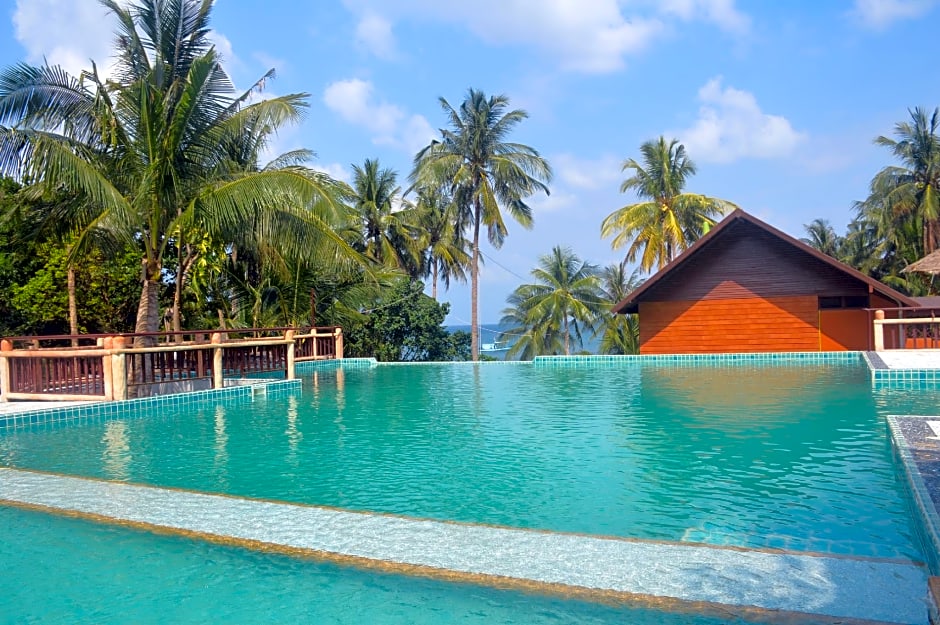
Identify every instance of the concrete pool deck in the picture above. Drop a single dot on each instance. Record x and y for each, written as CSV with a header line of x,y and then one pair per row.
x,y
905,359
767,583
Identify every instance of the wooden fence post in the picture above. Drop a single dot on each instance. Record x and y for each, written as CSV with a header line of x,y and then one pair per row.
x,y
289,337
218,380
118,368
107,344
879,331
5,346
338,339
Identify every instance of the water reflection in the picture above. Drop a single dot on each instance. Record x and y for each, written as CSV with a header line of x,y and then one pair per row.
x,y
221,439
116,456
294,435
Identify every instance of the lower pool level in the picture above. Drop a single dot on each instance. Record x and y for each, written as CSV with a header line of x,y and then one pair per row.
x,y
62,570
792,458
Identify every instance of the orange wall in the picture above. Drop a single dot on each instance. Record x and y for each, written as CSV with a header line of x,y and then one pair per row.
x,y
845,329
755,324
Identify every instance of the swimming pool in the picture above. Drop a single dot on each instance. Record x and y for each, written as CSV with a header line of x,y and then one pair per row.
x,y
767,456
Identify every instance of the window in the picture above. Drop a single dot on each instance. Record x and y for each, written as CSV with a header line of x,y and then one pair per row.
x,y
829,302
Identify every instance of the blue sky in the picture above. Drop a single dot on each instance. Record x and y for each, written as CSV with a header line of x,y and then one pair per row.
x,y
776,102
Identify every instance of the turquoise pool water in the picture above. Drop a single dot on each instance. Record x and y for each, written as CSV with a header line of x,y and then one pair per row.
x,y
764,456
72,571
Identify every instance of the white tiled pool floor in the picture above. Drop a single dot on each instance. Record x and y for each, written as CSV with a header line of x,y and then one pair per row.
x,y
838,587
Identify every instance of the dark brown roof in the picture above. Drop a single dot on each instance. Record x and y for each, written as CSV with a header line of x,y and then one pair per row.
x,y
631,303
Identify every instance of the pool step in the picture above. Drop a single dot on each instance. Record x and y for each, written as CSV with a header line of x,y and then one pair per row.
x,y
759,584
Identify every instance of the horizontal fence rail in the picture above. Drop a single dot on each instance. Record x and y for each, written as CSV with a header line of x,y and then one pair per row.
x,y
107,367
909,333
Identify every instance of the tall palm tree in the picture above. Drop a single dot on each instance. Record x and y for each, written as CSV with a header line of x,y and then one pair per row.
x,y
154,149
668,220
445,255
565,295
620,334
822,236
485,173
907,197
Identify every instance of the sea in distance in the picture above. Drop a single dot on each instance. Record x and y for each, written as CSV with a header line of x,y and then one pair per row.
x,y
502,338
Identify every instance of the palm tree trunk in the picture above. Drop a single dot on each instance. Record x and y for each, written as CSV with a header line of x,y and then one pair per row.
x,y
148,311
434,282
475,283
177,299
73,306
567,337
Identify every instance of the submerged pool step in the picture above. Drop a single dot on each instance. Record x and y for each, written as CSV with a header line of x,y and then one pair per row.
x,y
837,587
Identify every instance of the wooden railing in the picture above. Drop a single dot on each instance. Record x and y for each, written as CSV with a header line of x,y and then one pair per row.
x,y
114,369
912,333
319,344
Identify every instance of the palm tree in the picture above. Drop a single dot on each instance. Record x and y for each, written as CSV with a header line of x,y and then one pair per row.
x,y
155,151
822,236
376,194
620,334
668,220
445,255
565,296
484,172
906,198
540,337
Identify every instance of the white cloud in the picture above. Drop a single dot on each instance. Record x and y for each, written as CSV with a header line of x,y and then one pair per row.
x,y
556,202
223,47
879,14
270,62
374,33
721,13
355,102
334,170
65,32
731,126
587,174
593,37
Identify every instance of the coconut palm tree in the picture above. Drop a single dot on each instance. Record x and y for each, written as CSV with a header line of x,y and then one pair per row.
x,y
905,199
485,173
565,296
445,256
530,338
822,236
376,195
667,220
620,334
154,150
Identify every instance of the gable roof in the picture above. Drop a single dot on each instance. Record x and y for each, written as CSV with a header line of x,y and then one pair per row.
x,y
630,304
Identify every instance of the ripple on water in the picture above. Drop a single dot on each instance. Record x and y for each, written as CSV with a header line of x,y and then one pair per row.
x,y
746,455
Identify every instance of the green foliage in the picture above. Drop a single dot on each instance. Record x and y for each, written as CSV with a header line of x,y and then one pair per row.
x,y
406,325
562,302
668,220
165,151
620,334
899,222
106,291
484,173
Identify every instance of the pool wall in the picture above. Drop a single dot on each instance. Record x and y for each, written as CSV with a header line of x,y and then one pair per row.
x,y
137,407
